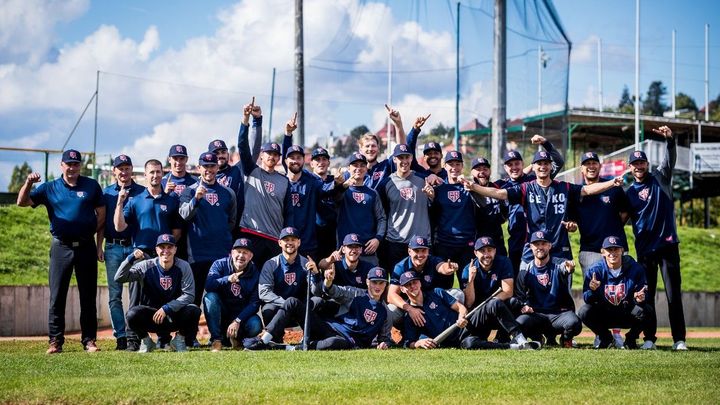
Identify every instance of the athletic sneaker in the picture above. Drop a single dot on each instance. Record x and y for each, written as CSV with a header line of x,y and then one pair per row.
x,y
121,343
216,346
596,342
133,345
679,345
178,344
91,347
529,345
648,345
235,343
618,340
146,345
55,347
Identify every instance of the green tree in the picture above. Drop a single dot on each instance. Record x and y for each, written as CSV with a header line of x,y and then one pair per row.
x,y
358,131
653,103
626,102
682,101
17,179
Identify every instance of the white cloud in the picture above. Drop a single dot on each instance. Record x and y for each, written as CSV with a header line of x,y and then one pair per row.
x,y
585,51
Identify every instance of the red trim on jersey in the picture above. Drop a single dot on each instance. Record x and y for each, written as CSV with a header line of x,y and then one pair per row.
x,y
256,233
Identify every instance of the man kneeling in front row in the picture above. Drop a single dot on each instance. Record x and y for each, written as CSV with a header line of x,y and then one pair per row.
x,y
167,291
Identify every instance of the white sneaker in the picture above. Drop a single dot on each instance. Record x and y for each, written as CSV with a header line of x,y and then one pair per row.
x,y
648,345
618,341
178,343
146,345
596,342
679,345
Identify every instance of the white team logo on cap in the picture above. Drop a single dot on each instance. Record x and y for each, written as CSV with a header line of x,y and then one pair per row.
x,y
539,234
637,154
178,148
589,155
378,273
73,154
612,240
123,158
217,143
484,241
454,154
403,148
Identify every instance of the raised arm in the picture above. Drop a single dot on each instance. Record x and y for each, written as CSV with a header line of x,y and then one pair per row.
x,y
246,159
668,163
599,187
23,199
558,161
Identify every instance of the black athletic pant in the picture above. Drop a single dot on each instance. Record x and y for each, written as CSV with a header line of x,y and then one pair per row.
x,y
537,324
667,259
458,254
327,241
321,336
200,272
66,256
494,315
185,321
390,253
515,259
264,249
600,318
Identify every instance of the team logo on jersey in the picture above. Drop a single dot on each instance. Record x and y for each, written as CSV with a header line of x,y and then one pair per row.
x,y
543,279
269,187
212,198
407,193
225,180
81,194
493,277
615,293
235,289
289,278
295,197
358,279
163,207
370,315
428,279
432,305
179,188
166,282
358,197
377,175
454,195
644,194
605,199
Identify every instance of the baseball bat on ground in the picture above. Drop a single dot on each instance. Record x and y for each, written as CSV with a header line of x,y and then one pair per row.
x,y
452,328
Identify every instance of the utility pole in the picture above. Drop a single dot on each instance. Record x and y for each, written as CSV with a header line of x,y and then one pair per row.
x,y
499,74
299,72
600,85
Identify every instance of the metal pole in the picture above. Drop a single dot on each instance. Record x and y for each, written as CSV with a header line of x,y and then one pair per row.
x,y
47,154
539,80
499,73
707,78
388,124
637,74
97,96
673,74
272,105
600,85
299,72
457,79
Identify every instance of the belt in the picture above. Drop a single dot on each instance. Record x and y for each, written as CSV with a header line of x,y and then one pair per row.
x,y
73,242
121,242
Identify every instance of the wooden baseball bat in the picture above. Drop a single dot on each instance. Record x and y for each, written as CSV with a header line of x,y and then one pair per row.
x,y
449,331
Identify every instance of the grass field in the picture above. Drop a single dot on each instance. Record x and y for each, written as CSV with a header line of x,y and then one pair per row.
x,y
368,376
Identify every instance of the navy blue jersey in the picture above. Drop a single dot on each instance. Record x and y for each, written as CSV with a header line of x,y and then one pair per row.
x,y
453,211
71,209
169,289
231,177
305,195
110,195
360,211
487,282
181,183
430,276
490,214
352,278
240,298
326,210
545,288
598,216
614,291
439,315
362,322
210,221
280,280
545,210
151,217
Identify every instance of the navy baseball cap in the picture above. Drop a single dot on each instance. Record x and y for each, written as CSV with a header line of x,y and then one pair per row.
x,y
377,274
453,156
243,243
207,159
611,242
270,147
400,150
295,149
165,239
540,156
408,276
217,145
538,236
122,160
512,155
352,239
318,152
637,155
289,231
431,146
484,241
178,150
418,242
357,157
480,161
71,156
589,156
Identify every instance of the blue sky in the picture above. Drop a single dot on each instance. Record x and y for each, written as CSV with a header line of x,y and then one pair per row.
x,y
180,71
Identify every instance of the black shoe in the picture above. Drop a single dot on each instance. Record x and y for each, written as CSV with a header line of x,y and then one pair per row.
x,y
121,343
255,344
133,346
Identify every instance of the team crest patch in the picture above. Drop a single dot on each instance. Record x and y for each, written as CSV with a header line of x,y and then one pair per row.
x,y
166,283
493,277
432,305
615,293
370,315
81,194
543,279
359,197
225,181
73,155
179,149
269,187
290,278
123,158
454,195
428,278
605,199
612,240
354,238
295,197
212,198
179,188
235,289
644,194
407,193
358,279
163,207
377,175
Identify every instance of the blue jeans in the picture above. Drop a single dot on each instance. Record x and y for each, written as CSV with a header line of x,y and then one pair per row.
x,y
218,318
114,255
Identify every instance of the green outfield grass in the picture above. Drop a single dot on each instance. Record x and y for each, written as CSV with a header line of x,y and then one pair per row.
x,y
25,241
367,376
